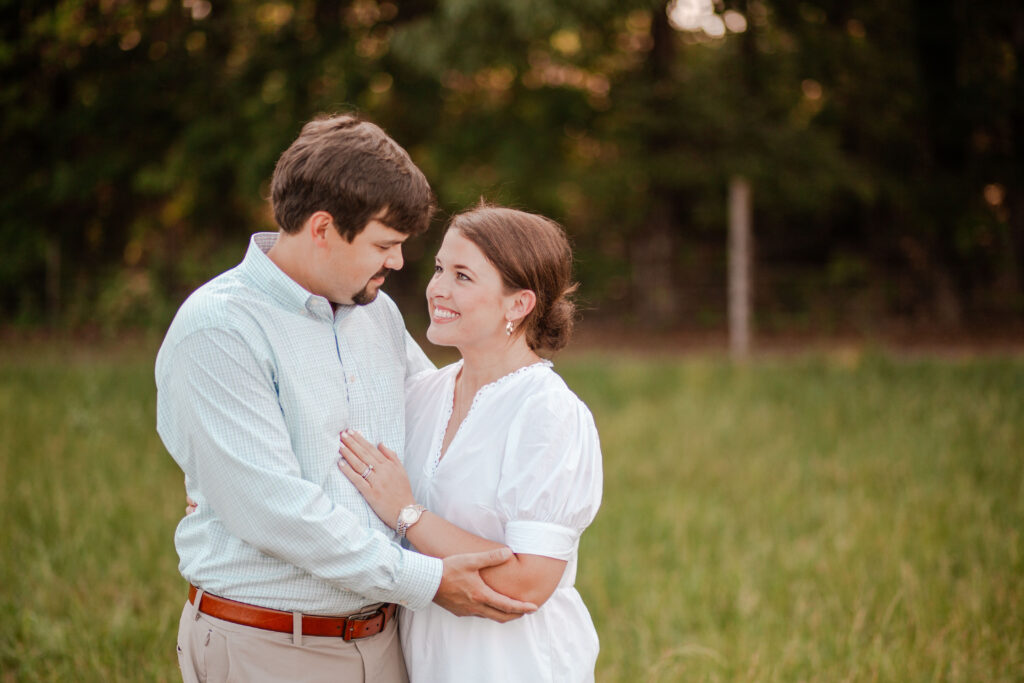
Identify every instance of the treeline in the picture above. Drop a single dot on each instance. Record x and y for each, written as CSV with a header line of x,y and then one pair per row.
x,y
883,140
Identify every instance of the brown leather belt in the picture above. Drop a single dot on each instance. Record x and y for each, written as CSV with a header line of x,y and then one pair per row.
x,y
348,628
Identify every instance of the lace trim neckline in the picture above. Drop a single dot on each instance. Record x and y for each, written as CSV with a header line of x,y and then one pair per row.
x,y
543,362
449,401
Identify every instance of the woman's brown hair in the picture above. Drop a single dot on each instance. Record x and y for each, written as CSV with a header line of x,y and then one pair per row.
x,y
530,252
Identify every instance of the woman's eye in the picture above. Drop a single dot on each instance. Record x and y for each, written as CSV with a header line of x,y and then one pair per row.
x,y
463,276
437,269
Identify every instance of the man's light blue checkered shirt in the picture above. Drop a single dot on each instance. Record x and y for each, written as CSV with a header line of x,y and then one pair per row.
x,y
255,379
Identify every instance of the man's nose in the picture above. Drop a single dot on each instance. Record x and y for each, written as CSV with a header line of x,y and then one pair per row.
x,y
394,260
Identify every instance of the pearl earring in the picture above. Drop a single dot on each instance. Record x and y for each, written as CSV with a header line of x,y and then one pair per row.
x,y
509,327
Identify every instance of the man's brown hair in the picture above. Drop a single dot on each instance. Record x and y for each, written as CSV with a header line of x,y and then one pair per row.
x,y
351,169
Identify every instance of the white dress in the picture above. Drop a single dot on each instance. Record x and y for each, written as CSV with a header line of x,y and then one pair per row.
x,y
523,469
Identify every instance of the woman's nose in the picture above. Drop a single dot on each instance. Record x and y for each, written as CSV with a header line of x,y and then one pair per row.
x,y
436,286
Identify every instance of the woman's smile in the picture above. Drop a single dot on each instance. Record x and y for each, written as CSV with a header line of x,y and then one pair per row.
x,y
443,315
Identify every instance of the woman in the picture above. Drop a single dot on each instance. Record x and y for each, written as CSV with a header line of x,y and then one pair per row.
x,y
499,452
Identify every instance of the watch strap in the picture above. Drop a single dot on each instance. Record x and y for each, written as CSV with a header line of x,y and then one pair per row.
x,y
402,527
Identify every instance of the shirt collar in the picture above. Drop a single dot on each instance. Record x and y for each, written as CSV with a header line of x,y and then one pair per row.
x,y
265,275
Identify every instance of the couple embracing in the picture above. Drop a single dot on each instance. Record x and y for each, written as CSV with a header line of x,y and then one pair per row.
x,y
355,513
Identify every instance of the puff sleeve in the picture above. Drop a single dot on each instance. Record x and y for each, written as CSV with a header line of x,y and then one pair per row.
x,y
551,479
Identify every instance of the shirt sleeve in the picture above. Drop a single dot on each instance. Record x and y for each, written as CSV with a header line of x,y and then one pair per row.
x,y
221,420
550,487
415,360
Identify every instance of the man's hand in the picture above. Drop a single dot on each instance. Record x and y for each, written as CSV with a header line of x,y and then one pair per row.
x,y
463,593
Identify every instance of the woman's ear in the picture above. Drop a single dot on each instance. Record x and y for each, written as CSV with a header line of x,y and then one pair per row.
x,y
522,303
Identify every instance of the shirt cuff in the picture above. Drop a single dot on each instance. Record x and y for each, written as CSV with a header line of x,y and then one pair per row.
x,y
541,538
418,580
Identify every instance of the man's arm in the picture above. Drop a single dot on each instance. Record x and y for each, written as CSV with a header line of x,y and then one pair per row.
x,y
460,591
221,420
464,593
415,360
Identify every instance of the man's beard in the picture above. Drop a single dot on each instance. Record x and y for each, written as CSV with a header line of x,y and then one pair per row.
x,y
365,296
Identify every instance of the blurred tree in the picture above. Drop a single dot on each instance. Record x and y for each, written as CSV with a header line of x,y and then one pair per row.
x,y
925,96
604,115
140,135
883,142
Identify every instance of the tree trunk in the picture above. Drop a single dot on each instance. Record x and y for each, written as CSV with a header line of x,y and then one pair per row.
x,y
653,250
53,299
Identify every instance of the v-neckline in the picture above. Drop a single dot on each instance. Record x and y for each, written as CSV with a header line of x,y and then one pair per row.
x,y
438,451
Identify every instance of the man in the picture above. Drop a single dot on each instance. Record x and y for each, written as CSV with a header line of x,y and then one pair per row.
x,y
261,369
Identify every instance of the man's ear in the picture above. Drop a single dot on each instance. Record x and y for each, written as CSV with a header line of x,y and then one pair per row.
x,y
319,224
523,302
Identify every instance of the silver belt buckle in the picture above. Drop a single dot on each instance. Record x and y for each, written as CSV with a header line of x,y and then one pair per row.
x,y
350,621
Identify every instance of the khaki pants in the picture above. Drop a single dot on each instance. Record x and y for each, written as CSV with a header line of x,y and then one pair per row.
x,y
215,650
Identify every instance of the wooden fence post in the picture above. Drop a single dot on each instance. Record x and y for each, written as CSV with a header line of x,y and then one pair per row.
x,y
739,267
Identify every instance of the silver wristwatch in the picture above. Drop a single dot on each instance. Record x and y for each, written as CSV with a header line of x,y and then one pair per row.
x,y
408,516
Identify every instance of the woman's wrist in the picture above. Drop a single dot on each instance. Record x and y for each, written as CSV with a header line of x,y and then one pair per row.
x,y
407,517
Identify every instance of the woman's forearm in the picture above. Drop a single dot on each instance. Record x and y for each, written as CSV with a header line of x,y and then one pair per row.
x,y
532,578
433,535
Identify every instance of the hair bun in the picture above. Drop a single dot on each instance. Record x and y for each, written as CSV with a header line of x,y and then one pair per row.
x,y
553,327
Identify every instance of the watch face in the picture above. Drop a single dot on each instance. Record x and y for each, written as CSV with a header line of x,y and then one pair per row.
x,y
408,515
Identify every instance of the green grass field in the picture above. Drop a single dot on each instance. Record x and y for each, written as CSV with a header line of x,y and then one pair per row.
x,y
838,517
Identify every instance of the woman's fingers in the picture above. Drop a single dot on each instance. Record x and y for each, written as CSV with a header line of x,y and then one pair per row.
x,y
358,438
366,450
352,462
354,473
382,469
359,445
390,454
